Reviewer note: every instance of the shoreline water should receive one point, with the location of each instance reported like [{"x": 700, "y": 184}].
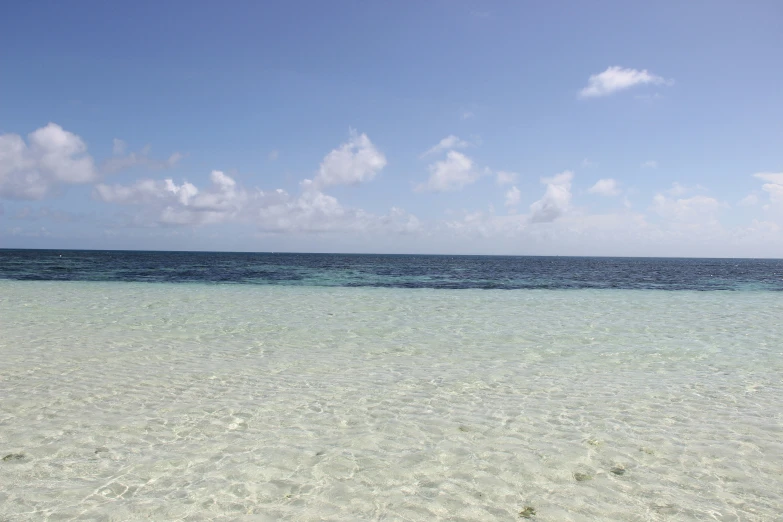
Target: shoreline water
[{"x": 200, "y": 402}]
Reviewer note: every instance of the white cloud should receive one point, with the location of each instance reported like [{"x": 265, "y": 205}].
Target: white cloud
[
  {"x": 696, "y": 208},
  {"x": 556, "y": 199},
  {"x": 691, "y": 227},
  {"x": 774, "y": 187},
  {"x": 170, "y": 204},
  {"x": 316, "y": 212},
  {"x": 512, "y": 197},
  {"x": 772, "y": 177},
  {"x": 448, "y": 143},
  {"x": 354, "y": 162},
  {"x": 143, "y": 191},
  {"x": 166, "y": 203},
  {"x": 605, "y": 187},
  {"x": 506, "y": 178},
  {"x": 775, "y": 192},
  {"x": 453, "y": 173},
  {"x": 616, "y": 78},
  {"x": 52, "y": 157},
  {"x": 466, "y": 115},
  {"x": 311, "y": 211},
  {"x": 651, "y": 164}
]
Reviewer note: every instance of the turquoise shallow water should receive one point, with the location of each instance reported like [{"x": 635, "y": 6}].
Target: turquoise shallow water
[{"x": 133, "y": 401}]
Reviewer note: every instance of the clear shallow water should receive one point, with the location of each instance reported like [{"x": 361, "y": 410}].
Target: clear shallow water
[
  {"x": 394, "y": 271},
  {"x": 130, "y": 401}
]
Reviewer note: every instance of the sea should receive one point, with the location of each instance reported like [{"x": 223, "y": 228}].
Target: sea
[{"x": 198, "y": 386}]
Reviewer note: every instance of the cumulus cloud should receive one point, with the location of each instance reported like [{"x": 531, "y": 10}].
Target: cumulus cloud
[
  {"x": 171, "y": 204},
  {"x": 505, "y": 178},
  {"x": 651, "y": 164},
  {"x": 51, "y": 158},
  {"x": 556, "y": 200},
  {"x": 616, "y": 78},
  {"x": 453, "y": 173},
  {"x": 773, "y": 187},
  {"x": 448, "y": 143},
  {"x": 166, "y": 203},
  {"x": 315, "y": 212},
  {"x": 513, "y": 196},
  {"x": 354, "y": 162},
  {"x": 605, "y": 187}
]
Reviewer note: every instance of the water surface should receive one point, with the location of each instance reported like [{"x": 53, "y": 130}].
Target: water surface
[
  {"x": 394, "y": 271},
  {"x": 138, "y": 401}
]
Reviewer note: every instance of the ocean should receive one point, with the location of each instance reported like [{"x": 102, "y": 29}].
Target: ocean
[{"x": 221, "y": 386}]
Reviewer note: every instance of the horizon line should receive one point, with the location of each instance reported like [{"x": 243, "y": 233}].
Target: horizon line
[{"x": 371, "y": 253}]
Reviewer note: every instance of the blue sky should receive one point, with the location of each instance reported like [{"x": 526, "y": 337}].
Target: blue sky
[{"x": 608, "y": 128}]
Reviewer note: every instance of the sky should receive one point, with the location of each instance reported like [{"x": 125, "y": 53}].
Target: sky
[{"x": 455, "y": 127}]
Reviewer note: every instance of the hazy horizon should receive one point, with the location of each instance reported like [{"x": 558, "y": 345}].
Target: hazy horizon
[{"x": 335, "y": 253}]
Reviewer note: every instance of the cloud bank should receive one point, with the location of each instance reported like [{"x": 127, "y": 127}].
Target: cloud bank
[{"x": 685, "y": 217}]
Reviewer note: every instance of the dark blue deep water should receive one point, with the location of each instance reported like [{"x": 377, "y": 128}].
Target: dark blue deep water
[{"x": 397, "y": 271}]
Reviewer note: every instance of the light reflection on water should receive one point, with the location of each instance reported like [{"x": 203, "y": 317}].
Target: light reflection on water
[{"x": 133, "y": 401}]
